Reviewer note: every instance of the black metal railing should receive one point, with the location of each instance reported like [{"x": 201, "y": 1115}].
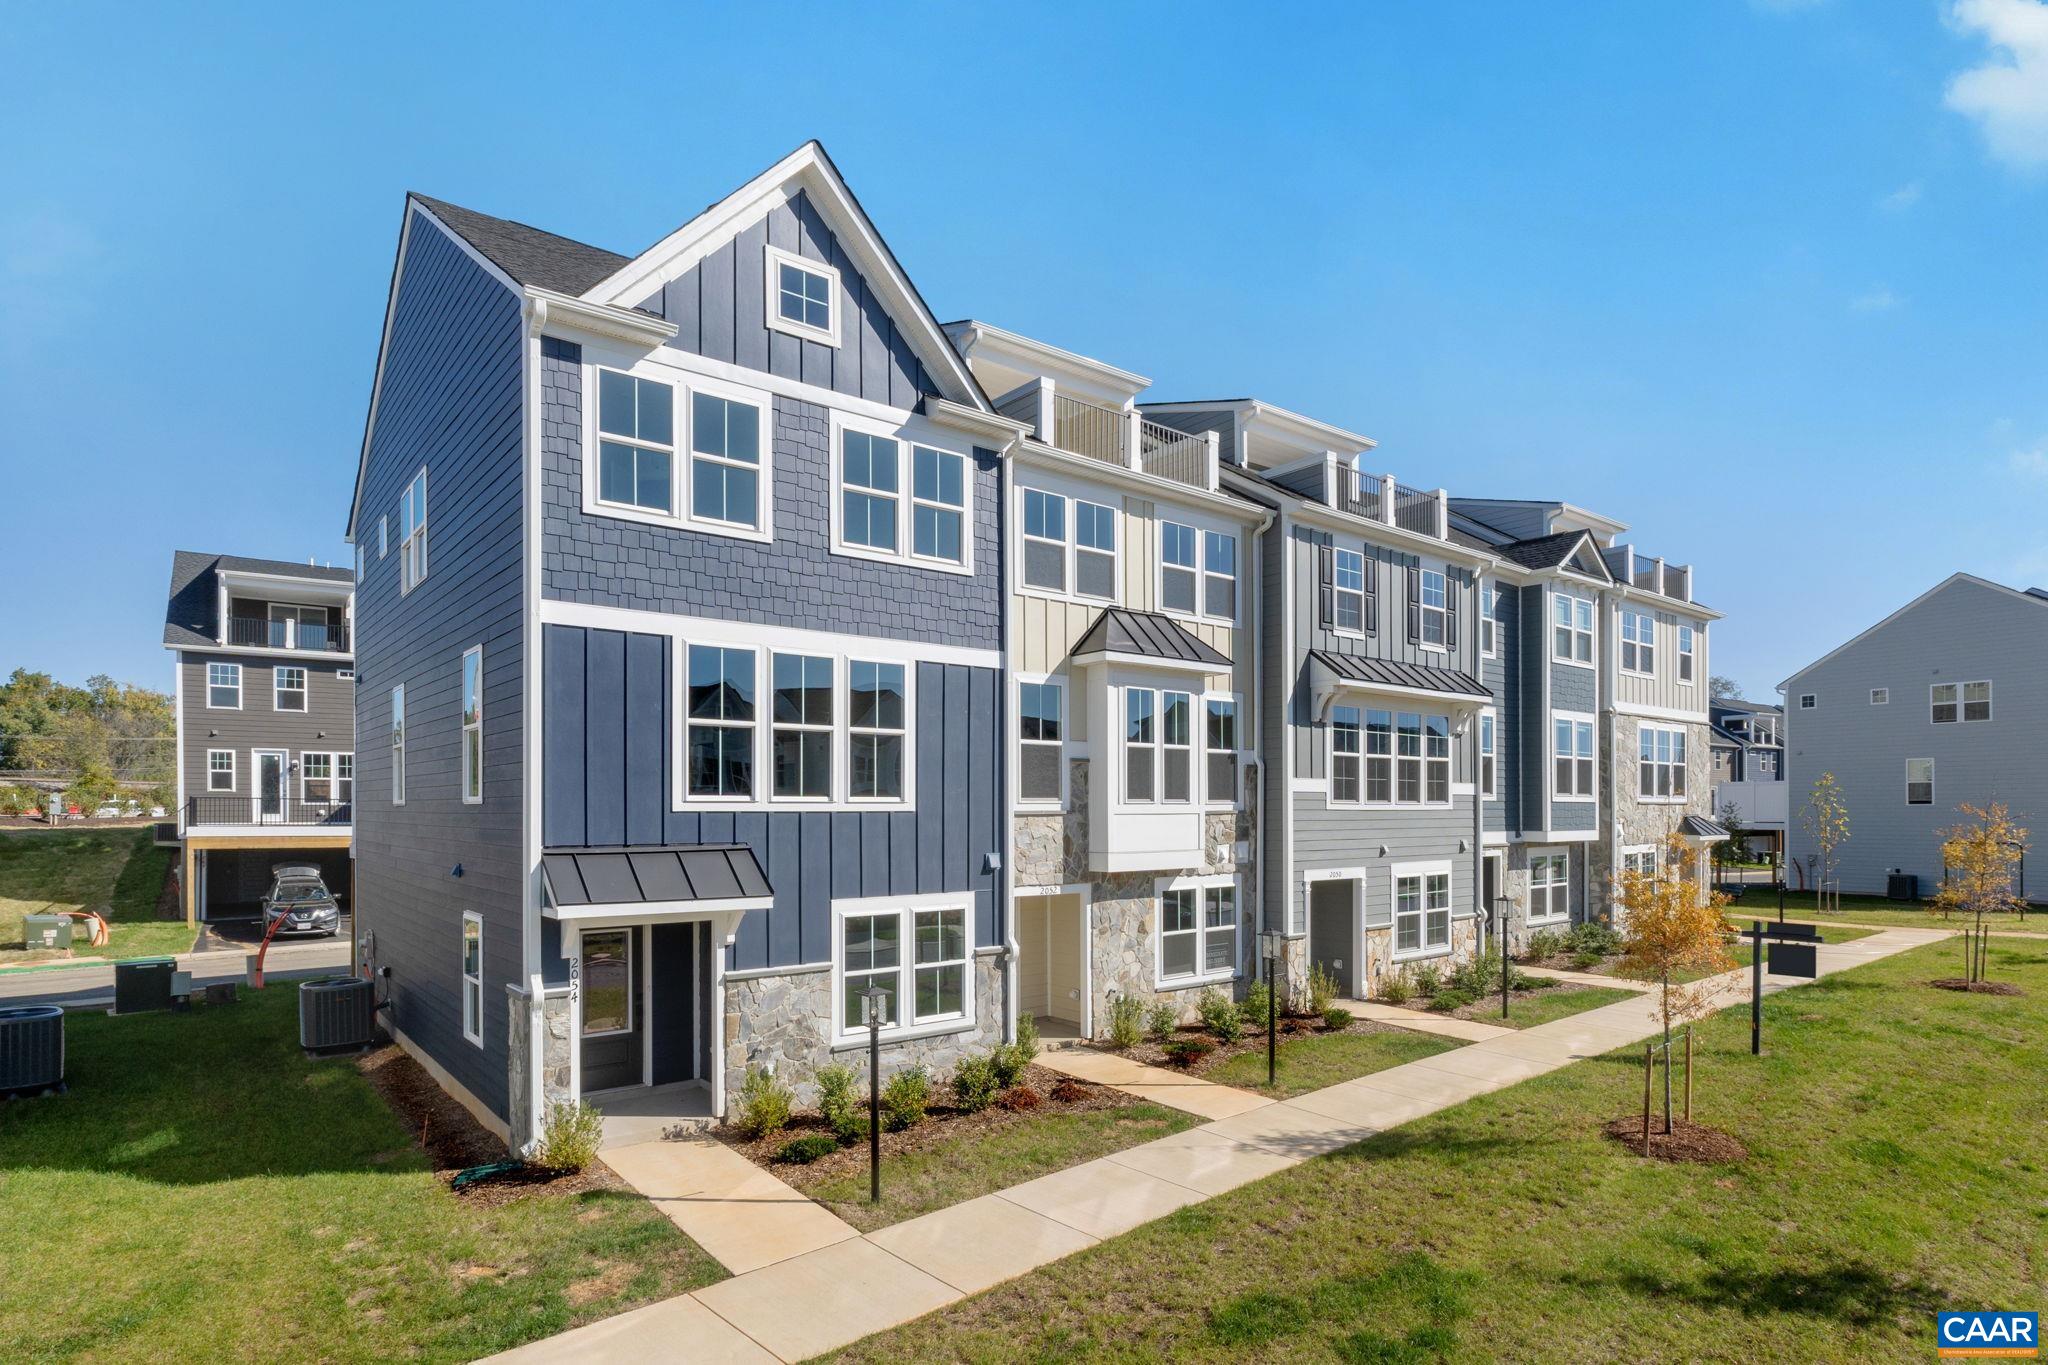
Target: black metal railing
[
  {"x": 255, "y": 633},
  {"x": 221, "y": 809}
]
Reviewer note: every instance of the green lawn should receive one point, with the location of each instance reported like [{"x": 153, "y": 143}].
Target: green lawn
[
  {"x": 205, "y": 1192},
  {"x": 1319, "y": 1060},
  {"x": 1892, "y": 1175},
  {"x": 118, "y": 872},
  {"x": 1526, "y": 1009},
  {"x": 982, "y": 1161},
  {"x": 1877, "y": 910}
]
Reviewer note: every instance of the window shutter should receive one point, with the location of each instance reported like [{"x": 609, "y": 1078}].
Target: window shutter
[
  {"x": 1326, "y": 596},
  {"x": 1413, "y": 573},
  {"x": 1452, "y": 587},
  {"x": 1372, "y": 593}
]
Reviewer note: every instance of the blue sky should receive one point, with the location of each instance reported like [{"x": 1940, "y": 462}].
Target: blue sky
[{"x": 1763, "y": 280}]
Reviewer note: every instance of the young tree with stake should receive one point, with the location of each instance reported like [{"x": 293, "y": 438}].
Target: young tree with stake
[
  {"x": 1981, "y": 854},
  {"x": 1674, "y": 925},
  {"x": 1826, "y": 818}
]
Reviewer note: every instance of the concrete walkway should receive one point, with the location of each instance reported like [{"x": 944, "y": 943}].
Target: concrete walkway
[
  {"x": 1585, "y": 978},
  {"x": 800, "y": 1305},
  {"x": 741, "y": 1215},
  {"x": 1175, "y": 1089},
  {"x": 1423, "y": 1021}
]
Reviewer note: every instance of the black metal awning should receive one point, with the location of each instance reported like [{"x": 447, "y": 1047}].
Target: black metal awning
[
  {"x": 674, "y": 881},
  {"x": 1700, "y": 827},
  {"x": 1146, "y": 637},
  {"x": 1328, "y": 670}
]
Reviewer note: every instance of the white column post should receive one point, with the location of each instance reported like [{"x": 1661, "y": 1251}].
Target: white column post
[
  {"x": 1047, "y": 430},
  {"x": 1387, "y": 499},
  {"x": 1215, "y": 458},
  {"x": 1133, "y": 433},
  {"x": 1443, "y": 515}
]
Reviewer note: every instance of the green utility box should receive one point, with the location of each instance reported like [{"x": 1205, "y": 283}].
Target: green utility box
[{"x": 43, "y": 933}]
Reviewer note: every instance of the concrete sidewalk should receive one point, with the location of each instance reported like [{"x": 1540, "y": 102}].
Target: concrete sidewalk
[
  {"x": 822, "y": 1299},
  {"x": 1585, "y": 978}
]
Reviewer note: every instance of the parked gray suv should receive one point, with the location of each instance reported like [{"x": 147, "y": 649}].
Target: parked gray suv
[{"x": 298, "y": 895}]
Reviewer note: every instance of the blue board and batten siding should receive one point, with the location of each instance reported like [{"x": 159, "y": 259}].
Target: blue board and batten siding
[
  {"x": 448, "y": 399},
  {"x": 607, "y": 750},
  {"x": 720, "y": 310}
]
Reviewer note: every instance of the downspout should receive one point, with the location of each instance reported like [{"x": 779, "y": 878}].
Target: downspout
[{"x": 1005, "y": 876}]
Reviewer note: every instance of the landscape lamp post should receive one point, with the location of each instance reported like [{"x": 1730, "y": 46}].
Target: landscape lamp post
[
  {"x": 1501, "y": 937},
  {"x": 1269, "y": 948},
  {"x": 875, "y": 1007}
]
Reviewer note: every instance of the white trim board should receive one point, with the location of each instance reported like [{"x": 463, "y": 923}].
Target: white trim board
[{"x": 880, "y": 649}]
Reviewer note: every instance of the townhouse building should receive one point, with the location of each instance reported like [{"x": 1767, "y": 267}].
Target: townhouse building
[
  {"x": 265, "y": 706},
  {"x": 684, "y": 671},
  {"x": 1135, "y": 791},
  {"x": 1933, "y": 708},
  {"x": 1750, "y": 791}
]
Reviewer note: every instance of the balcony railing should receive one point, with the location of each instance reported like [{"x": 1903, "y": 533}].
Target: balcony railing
[
  {"x": 1415, "y": 510},
  {"x": 1088, "y": 429},
  {"x": 1376, "y": 497},
  {"x": 274, "y": 809},
  {"x": 1113, "y": 436},
  {"x": 1358, "y": 493},
  {"x": 255, "y": 633},
  {"x": 1168, "y": 454}
]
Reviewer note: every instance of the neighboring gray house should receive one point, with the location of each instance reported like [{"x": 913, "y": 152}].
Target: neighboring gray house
[
  {"x": 265, "y": 699},
  {"x": 681, "y": 645},
  {"x": 1944, "y": 703},
  {"x": 1749, "y": 771}
]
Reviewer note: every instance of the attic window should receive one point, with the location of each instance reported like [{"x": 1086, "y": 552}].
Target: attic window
[{"x": 802, "y": 297}]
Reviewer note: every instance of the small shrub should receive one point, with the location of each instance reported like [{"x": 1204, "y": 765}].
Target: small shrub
[
  {"x": 1219, "y": 1015},
  {"x": 1126, "y": 1021},
  {"x": 1585, "y": 961},
  {"x": 808, "y": 1148},
  {"x": 1187, "y": 1051},
  {"x": 1019, "y": 1098},
  {"x": 904, "y": 1098},
  {"x": 1067, "y": 1090},
  {"x": 1594, "y": 936},
  {"x": 1257, "y": 1004},
  {"x": 569, "y": 1137},
  {"x": 1336, "y": 1018},
  {"x": 1451, "y": 998},
  {"x": 840, "y": 1104},
  {"x": 974, "y": 1082},
  {"x": 1397, "y": 989},
  {"x": 1544, "y": 944},
  {"x": 1012, "y": 1058},
  {"x": 764, "y": 1104},
  {"x": 1161, "y": 1021},
  {"x": 1322, "y": 989},
  {"x": 1428, "y": 980}
]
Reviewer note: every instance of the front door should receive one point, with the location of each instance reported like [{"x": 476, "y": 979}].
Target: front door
[
  {"x": 270, "y": 785},
  {"x": 613, "y": 1011},
  {"x": 1333, "y": 932}
]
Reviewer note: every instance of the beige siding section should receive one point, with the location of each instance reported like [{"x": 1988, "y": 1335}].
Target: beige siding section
[
  {"x": 1141, "y": 563},
  {"x": 1663, "y": 690}
]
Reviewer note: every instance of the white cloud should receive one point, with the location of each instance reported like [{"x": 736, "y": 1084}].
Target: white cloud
[
  {"x": 2007, "y": 92},
  {"x": 2030, "y": 464},
  {"x": 1878, "y": 300},
  {"x": 1902, "y": 198}
]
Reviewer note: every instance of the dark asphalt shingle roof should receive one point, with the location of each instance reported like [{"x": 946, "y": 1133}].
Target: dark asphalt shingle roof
[
  {"x": 543, "y": 260},
  {"x": 192, "y": 611},
  {"x": 637, "y": 876},
  {"x": 1390, "y": 673},
  {"x": 1148, "y": 635},
  {"x": 1542, "y": 552}
]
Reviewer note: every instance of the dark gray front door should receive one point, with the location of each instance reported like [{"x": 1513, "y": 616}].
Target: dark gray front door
[
  {"x": 613, "y": 1014},
  {"x": 1332, "y": 934}
]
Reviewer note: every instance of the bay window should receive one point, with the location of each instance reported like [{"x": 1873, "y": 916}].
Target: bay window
[
  {"x": 1141, "y": 745},
  {"x": 1408, "y": 758},
  {"x": 1177, "y": 754},
  {"x": 1436, "y": 752},
  {"x": 1379, "y": 755}
]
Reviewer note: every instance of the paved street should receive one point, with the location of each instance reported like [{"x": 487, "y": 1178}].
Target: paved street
[{"x": 89, "y": 982}]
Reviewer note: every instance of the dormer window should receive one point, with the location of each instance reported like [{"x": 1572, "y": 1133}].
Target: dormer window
[{"x": 802, "y": 297}]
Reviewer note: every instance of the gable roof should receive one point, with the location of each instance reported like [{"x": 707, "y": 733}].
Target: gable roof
[
  {"x": 1552, "y": 552},
  {"x": 1148, "y": 635},
  {"x": 2030, "y": 596},
  {"x": 192, "y": 607},
  {"x": 537, "y": 259}
]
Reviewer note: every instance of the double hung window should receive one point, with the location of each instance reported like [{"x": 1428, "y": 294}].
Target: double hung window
[
  {"x": 1549, "y": 887},
  {"x": 636, "y": 442},
  {"x": 802, "y": 725},
  {"x": 1040, "y": 728},
  {"x": 1573, "y": 754},
  {"x": 720, "y": 738},
  {"x": 1571, "y": 620},
  {"x": 1422, "y": 913},
  {"x": 1638, "y": 642}
]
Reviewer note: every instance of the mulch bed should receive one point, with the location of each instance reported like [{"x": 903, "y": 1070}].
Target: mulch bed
[
  {"x": 1687, "y": 1141},
  {"x": 1254, "y": 1040},
  {"x": 454, "y": 1141},
  {"x": 1058, "y": 1094},
  {"x": 1956, "y": 983}
]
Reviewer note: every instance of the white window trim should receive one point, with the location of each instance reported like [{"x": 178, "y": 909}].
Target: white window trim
[
  {"x": 383, "y": 535},
  {"x": 1489, "y": 621},
  {"x": 305, "y": 774},
  {"x": 1808, "y": 701},
  {"x": 1932, "y": 774},
  {"x": 1487, "y": 785},
  {"x": 1622, "y": 855},
  {"x": 234, "y": 775},
  {"x": 906, "y": 988},
  {"x": 1199, "y": 885},
  {"x": 907, "y": 436},
  {"x": 1042, "y": 805},
  {"x": 1647, "y": 729},
  {"x": 1961, "y": 702},
  {"x": 682, "y": 410},
  {"x": 680, "y": 798},
  {"x": 1202, "y": 612},
  {"x": 464, "y": 727},
  {"x": 1591, "y": 632},
  {"x": 1577, "y": 717},
  {"x": 1121, "y": 520},
  {"x": 1688, "y": 655},
  {"x": 1393, "y": 801},
  {"x": 1882, "y": 696},
  {"x": 470, "y": 917},
  {"x": 1395, "y": 875},
  {"x": 345, "y": 674},
  {"x": 632, "y": 979},
  {"x": 278, "y": 689},
  {"x": 1529, "y": 893},
  {"x": 1423, "y": 609},
  {"x": 1623, "y": 617},
  {"x": 1337, "y": 552},
  {"x": 1229, "y": 800},
  {"x": 771, "y": 294},
  {"x": 398, "y": 722},
  {"x": 210, "y": 685},
  {"x": 406, "y": 580},
  {"x": 1201, "y": 570}
]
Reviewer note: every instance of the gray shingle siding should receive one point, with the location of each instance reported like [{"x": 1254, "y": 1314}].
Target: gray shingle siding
[
  {"x": 1505, "y": 682},
  {"x": 608, "y": 754},
  {"x": 1968, "y": 631},
  {"x": 720, "y": 310},
  {"x": 1573, "y": 688},
  {"x": 450, "y": 400},
  {"x": 1531, "y": 660},
  {"x": 794, "y": 581}
]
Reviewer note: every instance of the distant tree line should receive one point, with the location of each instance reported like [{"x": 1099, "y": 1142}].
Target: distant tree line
[{"x": 92, "y": 741}]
